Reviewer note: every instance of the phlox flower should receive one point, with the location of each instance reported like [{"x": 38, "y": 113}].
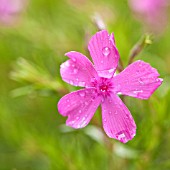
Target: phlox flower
[
  {"x": 151, "y": 12},
  {"x": 9, "y": 9},
  {"x": 102, "y": 87}
]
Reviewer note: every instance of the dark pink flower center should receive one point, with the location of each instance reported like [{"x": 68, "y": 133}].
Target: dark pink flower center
[{"x": 103, "y": 86}]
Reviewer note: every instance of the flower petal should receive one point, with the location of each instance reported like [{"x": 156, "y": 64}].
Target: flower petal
[
  {"x": 138, "y": 80},
  {"x": 117, "y": 120},
  {"x": 79, "y": 106},
  {"x": 104, "y": 53},
  {"x": 78, "y": 70}
]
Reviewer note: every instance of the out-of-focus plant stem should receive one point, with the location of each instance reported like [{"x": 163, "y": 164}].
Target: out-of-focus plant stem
[
  {"x": 139, "y": 46},
  {"x": 38, "y": 78}
]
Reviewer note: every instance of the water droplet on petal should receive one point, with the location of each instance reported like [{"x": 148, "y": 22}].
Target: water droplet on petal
[
  {"x": 111, "y": 70},
  {"x": 120, "y": 136},
  {"x": 77, "y": 117},
  {"x": 106, "y": 51},
  {"x": 124, "y": 136},
  {"x": 127, "y": 116},
  {"x": 80, "y": 111},
  {"x": 92, "y": 99},
  {"x": 72, "y": 122},
  {"x": 82, "y": 93},
  {"x": 71, "y": 82},
  {"x": 82, "y": 83},
  {"x": 101, "y": 61},
  {"x": 141, "y": 81},
  {"x": 102, "y": 100},
  {"x": 104, "y": 120},
  {"x": 115, "y": 112},
  {"x": 93, "y": 79},
  {"x": 67, "y": 63},
  {"x": 86, "y": 103},
  {"x": 68, "y": 100},
  {"x": 75, "y": 71},
  {"x": 137, "y": 91},
  {"x": 73, "y": 59}
]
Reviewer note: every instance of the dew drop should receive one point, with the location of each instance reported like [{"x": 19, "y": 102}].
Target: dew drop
[
  {"x": 73, "y": 65},
  {"x": 92, "y": 99},
  {"x": 71, "y": 82},
  {"x": 77, "y": 117},
  {"x": 120, "y": 136},
  {"x": 75, "y": 71},
  {"x": 67, "y": 64},
  {"x": 68, "y": 100},
  {"x": 80, "y": 111},
  {"x": 93, "y": 79},
  {"x": 141, "y": 81},
  {"x": 62, "y": 65},
  {"x": 86, "y": 103},
  {"x": 73, "y": 59},
  {"x": 104, "y": 120},
  {"x": 115, "y": 112},
  {"x": 111, "y": 70},
  {"x": 82, "y": 93},
  {"x": 102, "y": 100},
  {"x": 72, "y": 122},
  {"x": 124, "y": 136},
  {"x": 137, "y": 91},
  {"x": 127, "y": 116},
  {"x": 82, "y": 83},
  {"x": 106, "y": 51}
]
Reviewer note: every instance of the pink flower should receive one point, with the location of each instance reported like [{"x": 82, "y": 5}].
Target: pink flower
[
  {"x": 102, "y": 86},
  {"x": 152, "y": 12},
  {"x": 9, "y": 10}
]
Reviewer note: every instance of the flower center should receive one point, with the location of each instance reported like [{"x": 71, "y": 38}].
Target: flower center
[{"x": 103, "y": 88}]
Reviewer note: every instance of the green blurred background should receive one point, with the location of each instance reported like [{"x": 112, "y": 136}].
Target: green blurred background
[{"x": 33, "y": 135}]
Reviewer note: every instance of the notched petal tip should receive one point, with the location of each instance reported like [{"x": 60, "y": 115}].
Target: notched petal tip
[
  {"x": 78, "y": 70},
  {"x": 70, "y": 53},
  {"x": 138, "y": 80},
  {"x": 118, "y": 122},
  {"x": 104, "y": 53},
  {"x": 79, "y": 106},
  {"x": 123, "y": 136}
]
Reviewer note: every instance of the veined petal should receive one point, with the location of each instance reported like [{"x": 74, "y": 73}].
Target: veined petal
[
  {"x": 79, "y": 106},
  {"x": 138, "y": 80},
  {"x": 78, "y": 70},
  {"x": 104, "y": 53},
  {"x": 117, "y": 120}
]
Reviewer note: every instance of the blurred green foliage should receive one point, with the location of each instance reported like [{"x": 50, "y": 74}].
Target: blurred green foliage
[{"x": 32, "y": 133}]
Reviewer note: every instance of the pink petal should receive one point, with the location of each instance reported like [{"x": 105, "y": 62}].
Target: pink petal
[
  {"x": 117, "y": 120},
  {"x": 104, "y": 53},
  {"x": 78, "y": 70},
  {"x": 79, "y": 106},
  {"x": 138, "y": 80}
]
